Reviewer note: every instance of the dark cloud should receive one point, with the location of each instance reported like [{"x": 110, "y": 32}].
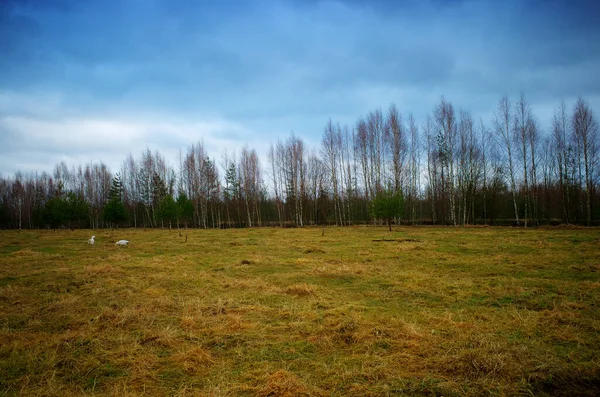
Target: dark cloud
[{"x": 292, "y": 65}]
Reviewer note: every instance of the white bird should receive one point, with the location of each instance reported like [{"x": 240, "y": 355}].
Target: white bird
[
  {"x": 91, "y": 241},
  {"x": 122, "y": 242}
]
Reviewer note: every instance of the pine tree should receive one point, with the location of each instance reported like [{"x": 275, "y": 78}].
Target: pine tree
[
  {"x": 114, "y": 210},
  {"x": 185, "y": 209},
  {"x": 388, "y": 205},
  {"x": 116, "y": 188},
  {"x": 232, "y": 191},
  {"x": 76, "y": 208},
  {"x": 167, "y": 210},
  {"x": 55, "y": 212}
]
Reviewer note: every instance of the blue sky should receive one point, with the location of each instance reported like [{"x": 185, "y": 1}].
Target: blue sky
[{"x": 90, "y": 81}]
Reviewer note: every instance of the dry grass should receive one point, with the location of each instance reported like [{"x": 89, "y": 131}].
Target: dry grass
[{"x": 290, "y": 312}]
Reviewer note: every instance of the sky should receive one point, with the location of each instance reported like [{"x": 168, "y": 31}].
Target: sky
[{"x": 90, "y": 81}]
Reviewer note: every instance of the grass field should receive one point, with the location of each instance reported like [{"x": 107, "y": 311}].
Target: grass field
[{"x": 291, "y": 312}]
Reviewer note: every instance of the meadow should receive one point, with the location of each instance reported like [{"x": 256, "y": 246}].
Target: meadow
[{"x": 356, "y": 311}]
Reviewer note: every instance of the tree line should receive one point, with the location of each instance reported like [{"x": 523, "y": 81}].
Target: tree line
[{"x": 448, "y": 170}]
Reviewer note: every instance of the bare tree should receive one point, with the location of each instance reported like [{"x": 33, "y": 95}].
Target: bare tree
[
  {"x": 202, "y": 180},
  {"x": 295, "y": 177},
  {"x": 395, "y": 135},
  {"x": 276, "y": 156},
  {"x": 503, "y": 125},
  {"x": 131, "y": 185},
  {"x": 316, "y": 181},
  {"x": 251, "y": 184},
  {"x": 563, "y": 156},
  {"x": 522, "y": 125},
  {"x": 362, "y": 149},
  {"x": 548, "y": 168},
  {"x": 348, "y": 172},
  {"x": 377, "y": 149},
  {"x": 432, "y": 166},
  {"x": 484, "y": 134},
  {"x": 534, "y": 142},
  {"x": 585, "y": 131},
  {"x": 97, "y": 186},
  {"x": 18, "y": 199},
  {"x": 330, "y": 151},
  {"x": 469, "y": 167},
  {"x": 415, "y": 159},
  {"x": 445, "y": 122}
]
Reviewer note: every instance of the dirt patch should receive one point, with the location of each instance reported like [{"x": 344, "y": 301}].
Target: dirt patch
[
  {"x": 397, "y": 240},
  {"x": 314, "y": 251}
]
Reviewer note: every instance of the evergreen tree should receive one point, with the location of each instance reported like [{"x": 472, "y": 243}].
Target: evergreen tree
[
  {"x": 388, "y": 205},
  {"x": 231, "y": 183},
  {"x": 159, "y": 189},
  {"x": 185, "y": 209},
  {"x": 114, "y": 210},
  {"x": 167, "y": 210},
  {"x": 116, "y": 188},
  {"x": 231, "y": 192},
  {"x": 39, "y": 206},
  {"x": 55, "y": 212},
  {"x": 4, "y": 215},
  {"x": 76, "y": 208}
]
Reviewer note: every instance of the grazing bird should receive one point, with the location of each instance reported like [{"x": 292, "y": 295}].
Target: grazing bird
[
  {"x": 91, "y": 241},
  {"x": 122, "y": 242}
]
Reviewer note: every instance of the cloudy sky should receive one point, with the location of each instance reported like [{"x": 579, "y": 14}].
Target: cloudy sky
[{"x": 91, "y": 81}]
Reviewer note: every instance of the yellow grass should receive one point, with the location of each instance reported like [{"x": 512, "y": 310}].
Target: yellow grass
[{"x": 291, "y": 312}]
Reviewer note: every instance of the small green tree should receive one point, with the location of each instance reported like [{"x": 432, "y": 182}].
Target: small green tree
[
  {"x": 55, "y": 212},
  {"x": 116, "y": 188},
  {"x": 388, "y": 205},
  {"x": 185, "y": 209},
  {"x": 76, "y": 207},
  {"x": 114, "y": 210},
  {"x": 4, "y": 214},
  {"x": 231, "y": 192},
  {"x": 167, "y": 210},
  {"x": 159, "y": 189}
]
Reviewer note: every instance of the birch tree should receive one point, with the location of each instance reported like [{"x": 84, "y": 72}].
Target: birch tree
[
  {"x": 563, "y": 154},
  {"x": 446, "y": 128},
  {"x": 415, "y": 172},
  {"x": 585, "y": 131},
  {"x": 503, "y": 126},
  {"x": 331, "y": 153},
  {"x": 522, "y": 124}
]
